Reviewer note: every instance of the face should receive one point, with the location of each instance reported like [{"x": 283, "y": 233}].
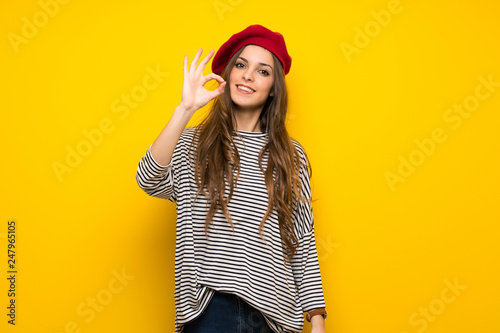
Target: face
[{"x": 254, "y": 70}]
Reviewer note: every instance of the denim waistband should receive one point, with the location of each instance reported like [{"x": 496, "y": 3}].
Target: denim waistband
[{"x": 228, "y": 313}]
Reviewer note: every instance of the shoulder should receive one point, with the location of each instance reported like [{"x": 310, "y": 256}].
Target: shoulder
[
  {"x": 298, "y": 146},
  {"x": 301, "y": 151}
]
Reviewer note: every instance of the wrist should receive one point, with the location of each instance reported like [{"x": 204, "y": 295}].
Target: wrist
[
  {"x": 183, "y": 114},
  {"x": 185, "y": 110},
  {"x": 321, "y": 312}
]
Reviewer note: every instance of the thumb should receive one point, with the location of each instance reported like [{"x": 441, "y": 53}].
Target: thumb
[
  {"x": 219, "y": 90},
  {"x": 221, "y": 87}
]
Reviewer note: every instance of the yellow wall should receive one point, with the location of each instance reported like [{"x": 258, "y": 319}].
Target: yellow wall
[{"x": 390, "y": 99}]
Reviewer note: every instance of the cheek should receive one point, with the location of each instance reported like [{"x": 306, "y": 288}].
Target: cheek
[
  {"x": 268, "y": 85},
  {"x": 232, "y": 75}
]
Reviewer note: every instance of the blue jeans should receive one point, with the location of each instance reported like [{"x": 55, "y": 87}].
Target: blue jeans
[{"x": 228, "y": 313}]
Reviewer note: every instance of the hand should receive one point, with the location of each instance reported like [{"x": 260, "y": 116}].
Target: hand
[{"x": 194, "y": 94}]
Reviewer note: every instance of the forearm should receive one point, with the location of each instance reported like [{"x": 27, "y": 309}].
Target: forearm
[
  {"x": 317, "y": 324},
  {"x": 163, "y": 147}
]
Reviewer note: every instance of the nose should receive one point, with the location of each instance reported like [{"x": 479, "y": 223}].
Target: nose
[{"x": 247, "y": 75}]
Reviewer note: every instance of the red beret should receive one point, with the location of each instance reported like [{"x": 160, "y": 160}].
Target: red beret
[{"x": 254, "y": 34}]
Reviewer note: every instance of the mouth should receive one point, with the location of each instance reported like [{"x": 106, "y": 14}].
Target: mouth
[{"x": 244, "y": 89}]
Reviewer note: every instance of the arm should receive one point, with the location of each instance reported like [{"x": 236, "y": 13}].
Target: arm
[
  {"x": 305, "y": 263},
  {"x": 160, "y": 180},
  {"x": 154, "y": 172},
  {"x": 308, "y": 279},
  {"x": 163, "y": 147},
  {"x": 194, "y": 96},
  {"x": 318, "y": 324}
]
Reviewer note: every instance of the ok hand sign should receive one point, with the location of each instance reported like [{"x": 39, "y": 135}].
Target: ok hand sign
[{"x": 194, "y": 94}]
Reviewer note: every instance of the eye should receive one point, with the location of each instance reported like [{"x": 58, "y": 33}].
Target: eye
[
  {"x": 239, "y": 63},
  {"x": 266, "y": 73}
]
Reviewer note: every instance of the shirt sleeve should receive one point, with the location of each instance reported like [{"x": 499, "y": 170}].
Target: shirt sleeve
[
  {"x": 155, "y": 179},
  {"x": 305, "y": 265}
]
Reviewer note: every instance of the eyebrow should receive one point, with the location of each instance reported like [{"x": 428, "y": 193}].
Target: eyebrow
[{"x": 260, "y": 63}]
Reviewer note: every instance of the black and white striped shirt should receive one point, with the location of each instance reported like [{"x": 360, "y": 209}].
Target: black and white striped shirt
[{"x": 238, "y": 262}]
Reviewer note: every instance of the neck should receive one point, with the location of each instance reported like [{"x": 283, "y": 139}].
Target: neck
[{"x": 247, "y": 120}]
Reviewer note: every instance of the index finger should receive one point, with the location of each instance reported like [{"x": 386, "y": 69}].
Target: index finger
[
  {"x": 210, "y": 77},
  {"x": 204, "y": 62}
]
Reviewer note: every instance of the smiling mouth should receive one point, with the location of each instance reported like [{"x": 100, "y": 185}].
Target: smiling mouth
[{"x": 245, "y": 89}]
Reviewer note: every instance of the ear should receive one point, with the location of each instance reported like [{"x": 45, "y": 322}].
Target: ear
[{"x": 271, "y": 93}]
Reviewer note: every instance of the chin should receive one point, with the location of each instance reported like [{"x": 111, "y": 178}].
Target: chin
[{"x": 246, "y": 104}]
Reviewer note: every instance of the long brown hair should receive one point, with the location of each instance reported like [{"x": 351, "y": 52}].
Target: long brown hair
[{"x": 217, "y": 157}]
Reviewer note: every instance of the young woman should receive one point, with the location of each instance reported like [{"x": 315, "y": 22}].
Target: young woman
[{"x": 246, "y": 257}]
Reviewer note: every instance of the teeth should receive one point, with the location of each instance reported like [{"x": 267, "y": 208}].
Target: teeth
[{"x": 245, "y": 89}]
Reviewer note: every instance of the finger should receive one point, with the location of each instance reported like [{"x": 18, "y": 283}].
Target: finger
[
  {"x": 195, "y": 60},
  {"x": 221, "y": 87},
  {"x": 218, "y": 77},
  {"x": 214, "y": 93},
  {"x": 204, "y": 62},
  {"x": 185, "y": 67},
  {"x": 210, "y": 77},
  {"x": 218, "y": 91}
]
